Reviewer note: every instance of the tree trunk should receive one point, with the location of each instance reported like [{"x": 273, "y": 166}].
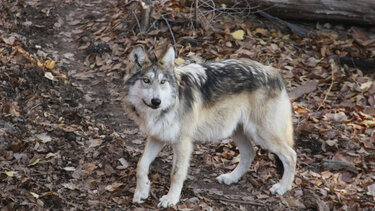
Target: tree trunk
[{"x": 346, "y": 11}]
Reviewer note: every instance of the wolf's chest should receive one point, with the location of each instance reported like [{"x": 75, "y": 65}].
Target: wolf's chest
[{"x": 165, "y": 128}]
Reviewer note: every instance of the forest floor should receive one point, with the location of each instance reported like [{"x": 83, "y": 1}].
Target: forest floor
[{"x": 66, "y": 144}]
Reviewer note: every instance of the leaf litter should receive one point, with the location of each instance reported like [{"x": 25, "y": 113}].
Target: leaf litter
[{"x": 66, "y": 144}]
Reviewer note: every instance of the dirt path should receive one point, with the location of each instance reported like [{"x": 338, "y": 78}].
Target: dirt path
[
  {"x": 65, "y": 143},
  {"x": 101, "y": 95}
]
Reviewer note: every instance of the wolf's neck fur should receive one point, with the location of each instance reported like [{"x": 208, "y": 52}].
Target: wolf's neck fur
[{"x": 160, "y": 124}]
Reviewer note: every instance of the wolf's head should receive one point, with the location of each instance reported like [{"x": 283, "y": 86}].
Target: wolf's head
[{"x": 151, "y": 84}]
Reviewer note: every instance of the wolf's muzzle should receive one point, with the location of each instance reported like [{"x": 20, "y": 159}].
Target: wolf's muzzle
[{"x": 155, "y": 103}]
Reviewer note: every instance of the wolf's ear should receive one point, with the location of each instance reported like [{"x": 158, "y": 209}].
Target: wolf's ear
[
  {"x": 138, "y": 57},
  {"x": 167, "y": 60}
]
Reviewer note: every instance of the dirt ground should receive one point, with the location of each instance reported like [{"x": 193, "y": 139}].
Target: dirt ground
[{"x": 66, "y": 144}]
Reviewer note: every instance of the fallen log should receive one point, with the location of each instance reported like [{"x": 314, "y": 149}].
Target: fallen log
[
  {"x": 358, "y": 12},
  {"x": 344, "y": 11}
]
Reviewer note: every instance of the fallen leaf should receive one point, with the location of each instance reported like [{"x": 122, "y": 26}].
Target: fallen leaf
[
  {"x": 77, "y": 31},
  {"x": 301, "y": 110},
  {"x": 99, "y": 60},
  {"x": 43, "y": 137},
  {"x": 369, "y": 123},
  {"x": 113, "y": 186},
  {"x": 228, "y": 44},
  {"x": 75, "y": 22},
  {"x": 10, "y": 173},
  {"x": 13, "y": 110},
  {"x": 366, "y": 86},
  {"x": 337, "y": 117},
  {"x": 49, "y": 64},
  {"x": 312, "y": 62},
  {"x": 295, "y": 203},
  {"x": 123, "y": 162},
  {"x": 90, "y": 167},
  {"x": 84, "y": 46},
  {"x": 49, "y": 76},
  {"x": 238, "y": 35},
  {"x": 311, "y": 200},
  {"x": 359, "y": 35},
  {"x": 137, "y": 141},
  {"x": 34, "y": 163},
  {"x": 305, "y": 88},
  {"x": 274, "y": 47},
  {"x": 69, "y": 56},
  {"x": 69, "y": 168},
  {"x": 70, "y": 186},
  {"x": 34, "y": 195},
  {"x": 261, "y": 31},
  {"x": 371, "y": 190},
  {"x": 50, "y": 154},
  {"x": 246, "y": 53},
  {"x": 332, "y": 142},
  {"x": 95, "y": 142}
]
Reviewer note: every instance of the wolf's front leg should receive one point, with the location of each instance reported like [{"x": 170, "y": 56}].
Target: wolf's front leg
[
  {"x": 181, "y": 158},
  {"x": 142, "y": 190}
]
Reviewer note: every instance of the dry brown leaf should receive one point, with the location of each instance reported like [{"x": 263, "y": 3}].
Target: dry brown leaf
[
  {"x": 337, "y": 117},
  {"x": 113, "y": 186},
  {"x": 305, "y": 88}
]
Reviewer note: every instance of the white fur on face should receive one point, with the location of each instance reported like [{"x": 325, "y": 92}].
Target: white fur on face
[{"x": 142, "y": 92}]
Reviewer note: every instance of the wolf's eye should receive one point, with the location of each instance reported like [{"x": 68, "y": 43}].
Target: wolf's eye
[
  {"x": 146, "y": 80},
  {"x": 162, "y": 81}
]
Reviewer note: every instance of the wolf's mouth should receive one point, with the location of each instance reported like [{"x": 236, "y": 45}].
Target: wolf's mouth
[{"x": 151, "y": 106}]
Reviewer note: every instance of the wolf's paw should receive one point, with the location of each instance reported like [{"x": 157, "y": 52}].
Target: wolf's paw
[
  {"x": 139, "y": 196},
  {"x": 279, "y": 189},
  {"x": 168, "y": 200},
  {"x": 227, "y": 179},
  {"x": 141, "y": 193}
]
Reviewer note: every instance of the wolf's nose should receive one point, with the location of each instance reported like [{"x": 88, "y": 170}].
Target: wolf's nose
[{"x": 155, "y": 101}]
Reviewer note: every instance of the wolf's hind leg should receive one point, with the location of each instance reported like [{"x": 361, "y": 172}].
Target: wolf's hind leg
[
  {"x": 280, "y": 144},
  {"x": 288, "y": 157},
  {"x": 142, "y": 190},
  {"x": 247, "y": 154}
]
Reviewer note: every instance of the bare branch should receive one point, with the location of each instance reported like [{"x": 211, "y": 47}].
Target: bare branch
[
  {"x": 170, "y": 30},
  {"x": 136, "y": 18},
  {"x": 145, "y": 15}
]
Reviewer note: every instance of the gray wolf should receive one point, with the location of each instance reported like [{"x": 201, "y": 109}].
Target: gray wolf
[{"x": 181, "y": 105}]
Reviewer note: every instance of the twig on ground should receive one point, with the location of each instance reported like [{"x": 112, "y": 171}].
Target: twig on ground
[
  {"x": 170, "y": 30},
  {"x": 152, "y": 26},
  {"x": 136, "y": 18},
  {"x": 333, "y": 68}
]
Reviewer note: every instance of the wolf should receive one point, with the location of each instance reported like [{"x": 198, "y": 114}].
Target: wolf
[{"x": 180, "y": 105}]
